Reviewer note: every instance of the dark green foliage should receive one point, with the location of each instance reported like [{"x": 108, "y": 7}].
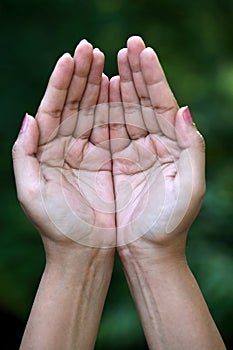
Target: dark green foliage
[{"x": 194, "y": 40}]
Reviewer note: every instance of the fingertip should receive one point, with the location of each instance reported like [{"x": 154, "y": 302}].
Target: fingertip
[
  {"x": 98, "y": 51},
  {"x": 31, "y": 135},
  {"x": 98, "y": 55},
  {"x": 149, "y": 63},
  {"x": 115, "y": 79},
  {"x": 148, "y": 53},
  {"x": 84, "y": 42},
  {"x": 25, "y": 163},
  {"x": 114, "y": 91},
  {"x": 105, "y": 78},
  {"x": 180, "y": 124},
  {"x": 115, "y": 82},
  {"x": 103, "y": 96},
  {"x": 185, "y": 115},
  {"x": 63, "y": 71},
  {"x": 122, "y": 53},
  {"x": 186, "y": 130},
  {"x": 105, "y": 82},
  {"x": 83, "y": 45},
  {"x": 24, "y": 123},
  {"x": 65, "y": 59},
  {"x": 135, "y": 46},
  {"x": 66, "y": 55},
  {"x": 27, "y": 136},
  {"x": 124, "y": 66},
  {"x": 135, "y": 39}
]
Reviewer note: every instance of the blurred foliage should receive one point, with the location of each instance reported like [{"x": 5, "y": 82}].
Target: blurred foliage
[{"x": 194, "y": 40}]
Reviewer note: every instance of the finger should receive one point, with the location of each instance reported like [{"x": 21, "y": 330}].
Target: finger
[
  {"x": 192, "y": 148},
  {"x": 49, "y": 113},
  {"x": 135, "y": 46},
  {"x": 119, "y": 138},
  {"x": 82, "y": 60},
  {"x": 90, "y": 97},
  {"x": 161, "y": 96},
  {"x": 100, "y": 131},
  {"x": 132, "y": 109},
  {"x": 26, "y": 166}
]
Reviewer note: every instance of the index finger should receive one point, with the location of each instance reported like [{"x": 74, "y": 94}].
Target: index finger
[{"x": 50, "y": 109}]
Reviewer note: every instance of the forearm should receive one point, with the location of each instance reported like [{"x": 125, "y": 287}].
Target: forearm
[
  {"x": 172, "y": 309},
  {"x": 69, "y": 302}
]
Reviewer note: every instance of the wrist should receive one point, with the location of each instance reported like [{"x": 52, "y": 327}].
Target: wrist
[
  {"x": 70, "y": 254},
  {"x": 154, "y": 253},
  {"x": 76, "y": 265},
  {"x": 80, "y": 269}
]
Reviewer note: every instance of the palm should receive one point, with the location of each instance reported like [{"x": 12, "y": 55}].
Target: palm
[
  {"x": 78, "y": 184},
  {"x": 149, "y": 189}
]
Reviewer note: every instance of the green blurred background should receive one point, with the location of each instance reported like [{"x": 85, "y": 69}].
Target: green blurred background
[{"x": 194, "y": 40}]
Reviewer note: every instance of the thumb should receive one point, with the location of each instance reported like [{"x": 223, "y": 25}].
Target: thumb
[
  {"x": 191, "y": 172},
  {"x": 186, "y": 131},
  {"x": 192, "y": 145},
  {"x": 25, "y": 163}
]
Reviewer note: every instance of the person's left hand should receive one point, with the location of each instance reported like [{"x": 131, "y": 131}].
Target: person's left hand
[{"x": 158, "y": 155}]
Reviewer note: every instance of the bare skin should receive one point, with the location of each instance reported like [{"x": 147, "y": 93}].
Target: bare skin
[{"x": 113, "y": 165}]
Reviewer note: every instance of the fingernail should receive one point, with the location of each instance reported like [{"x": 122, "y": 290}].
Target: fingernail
[
  {"x": 24, "y": 124},
  {"x": 187, "y": 116}
]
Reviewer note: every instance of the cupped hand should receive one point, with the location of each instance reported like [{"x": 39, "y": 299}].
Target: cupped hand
[
  {"x": 62, "y": 158},
  {"x": 157, "y": 152}
]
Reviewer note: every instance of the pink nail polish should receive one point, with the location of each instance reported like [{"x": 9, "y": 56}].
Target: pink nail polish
[
  {"x": 187, "y": 116},
  {"x": 24, "y": 124}
]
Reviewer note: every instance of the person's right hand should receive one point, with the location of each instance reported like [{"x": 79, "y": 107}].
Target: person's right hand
[{"x": 62, "y": 159}]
